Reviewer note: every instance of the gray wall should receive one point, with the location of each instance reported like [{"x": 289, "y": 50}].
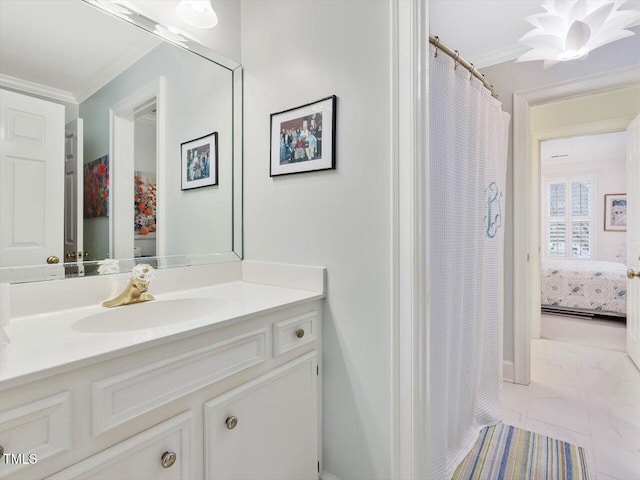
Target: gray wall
[
  {"x": 295, "y": 53},
  {"x": 510, "y": 77}
]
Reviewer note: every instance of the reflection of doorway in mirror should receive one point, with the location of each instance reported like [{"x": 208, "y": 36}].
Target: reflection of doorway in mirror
[
  {"x": 145, "y": 185},
  {"x": 74, "y": 252},
  {"x": 136, "y": 131}
]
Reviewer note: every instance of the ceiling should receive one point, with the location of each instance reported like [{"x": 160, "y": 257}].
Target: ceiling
[
  {"x": 486, "y": 32},
  {"x": 604, "y": 146},
  {"x": 65, "y": 48}
]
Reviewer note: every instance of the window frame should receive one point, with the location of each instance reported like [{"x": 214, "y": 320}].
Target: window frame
[{"x": 568, "y": 217}]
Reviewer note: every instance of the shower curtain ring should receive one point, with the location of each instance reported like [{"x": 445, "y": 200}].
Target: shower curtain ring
[
  {"x": 457, "y": 60},
  {"x": 471, "y": 72},
  {"x": 437, "y": 43}
]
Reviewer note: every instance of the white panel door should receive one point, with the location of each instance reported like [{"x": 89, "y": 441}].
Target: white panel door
[
  {"x": 73, "y": 191},
  {"x": 633, "y": 240},
  {"x": 275, "y": 433},
  {"x": 31, "y": 179}
]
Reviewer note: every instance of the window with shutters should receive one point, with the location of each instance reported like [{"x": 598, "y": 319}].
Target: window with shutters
[{"x": 569, "y": 225}]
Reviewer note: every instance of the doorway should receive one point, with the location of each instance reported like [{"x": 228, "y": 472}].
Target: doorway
[
  {"x": 137, "y": 132},
  {"x": 528, "y": 135},
  {"x": 583, "y": 275}
]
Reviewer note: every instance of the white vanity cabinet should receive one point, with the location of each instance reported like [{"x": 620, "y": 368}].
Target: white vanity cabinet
[
  {"x": 160, "y": 453},
  {"x": 266, "y": 428},
  {"x": 233, "y": 401}
]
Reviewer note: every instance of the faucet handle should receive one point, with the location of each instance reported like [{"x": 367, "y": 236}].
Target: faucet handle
[{"x": 143, "y": 272}]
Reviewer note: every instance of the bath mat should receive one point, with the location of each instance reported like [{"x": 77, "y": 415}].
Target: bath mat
[{"x": 503, "y": 452}]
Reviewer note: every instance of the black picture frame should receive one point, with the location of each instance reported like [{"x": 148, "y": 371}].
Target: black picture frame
[
  {"x": 199, "y": 162},
  {"x": 292, "y": 153}
]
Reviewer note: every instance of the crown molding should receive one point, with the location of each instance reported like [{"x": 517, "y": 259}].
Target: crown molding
[
  {"x": 108, "y": 74},
  {"x": 34, "y": 88},
  {"x": 499, "y": 55}
]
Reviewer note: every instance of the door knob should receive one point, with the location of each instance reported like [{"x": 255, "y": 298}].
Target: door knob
[
  {"x": 631, "y": 274},
  {"x": 52, "y": 260},
  {"x": 70, "y": 256}
]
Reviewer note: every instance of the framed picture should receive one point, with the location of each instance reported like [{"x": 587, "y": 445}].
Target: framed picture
[
  {"x": 199, "y": 162},
  {"x": 303, "y": 138},
  {"x": 615, "y": 212},
  {"x": 96, "y": 188},
  {"x": 144, "y": 202}
]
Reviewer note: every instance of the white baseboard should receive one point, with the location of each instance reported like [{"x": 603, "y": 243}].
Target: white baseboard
[
  {"x": 508, "y": 371},
  {"x": 327, "y": 476}
]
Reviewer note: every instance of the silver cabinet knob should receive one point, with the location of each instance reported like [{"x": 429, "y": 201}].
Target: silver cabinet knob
[
  {"x": 300, "y": 333},
  {"x": 231, "y": 422},
  {"x": 168, "y": 459}
]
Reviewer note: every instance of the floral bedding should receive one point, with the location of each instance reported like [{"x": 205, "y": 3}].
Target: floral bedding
[{"x": 585, "y": 285}]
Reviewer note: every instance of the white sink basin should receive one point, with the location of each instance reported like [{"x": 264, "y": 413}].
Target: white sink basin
[{"x": 151, "y": 314}]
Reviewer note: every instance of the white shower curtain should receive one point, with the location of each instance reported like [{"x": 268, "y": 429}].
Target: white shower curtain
[{"x": 467, "y": 160}]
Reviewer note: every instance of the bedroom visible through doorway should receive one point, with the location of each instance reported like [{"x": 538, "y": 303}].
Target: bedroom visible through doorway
[{"x": 583, "y": 239}]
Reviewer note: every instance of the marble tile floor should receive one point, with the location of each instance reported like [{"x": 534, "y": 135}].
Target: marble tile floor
[
  {"x": 585, "y": 395},
  {"x": 595, "y": 332}
]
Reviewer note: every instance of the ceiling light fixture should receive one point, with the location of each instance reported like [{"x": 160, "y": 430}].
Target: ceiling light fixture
[
  {"x": 570, "y": 29},
  {"x": 197, "y": 13}
]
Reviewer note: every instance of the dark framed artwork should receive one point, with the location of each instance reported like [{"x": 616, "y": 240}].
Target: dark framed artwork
[
  {"x": 96, "y": 188},
  {"x": 615, "y": 212},
  {"x": 199, "y": 162},
  {"x": 303, "y": 138}
]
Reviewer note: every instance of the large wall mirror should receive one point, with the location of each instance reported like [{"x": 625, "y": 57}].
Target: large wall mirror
[{"x": 121, "y": 143}]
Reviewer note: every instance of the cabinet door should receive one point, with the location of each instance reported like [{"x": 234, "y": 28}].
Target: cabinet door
[
  {"x": 266, "y": 429},
  {"x": 160, "y": 453}
]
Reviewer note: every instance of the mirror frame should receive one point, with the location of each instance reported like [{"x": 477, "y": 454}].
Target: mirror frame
[{"x": 237, "y": 223}]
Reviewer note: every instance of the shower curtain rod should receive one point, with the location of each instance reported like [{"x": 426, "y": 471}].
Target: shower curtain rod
[{"x": 435, "y": 41}]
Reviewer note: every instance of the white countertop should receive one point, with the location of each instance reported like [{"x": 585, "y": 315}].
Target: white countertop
[{"x": 47, "y": 344}]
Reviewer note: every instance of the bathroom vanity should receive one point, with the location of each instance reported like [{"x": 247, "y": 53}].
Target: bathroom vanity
[{"x": 216, "y": 381}]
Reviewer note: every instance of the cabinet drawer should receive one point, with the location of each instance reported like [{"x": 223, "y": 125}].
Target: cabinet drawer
[
  {"x": 121, "y": 398},
  {"x": 141, "y": 456},
  {"x": 35, "y": 431},
  {"x": 294, "y": 332}
]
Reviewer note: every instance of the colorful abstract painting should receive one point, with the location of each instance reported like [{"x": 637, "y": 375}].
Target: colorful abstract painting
[
  {"x": 144, "y": 201},
  {"x": 96, "y": 188}
]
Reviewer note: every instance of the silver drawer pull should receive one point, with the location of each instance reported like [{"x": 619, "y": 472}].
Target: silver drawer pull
[
  {"x": 231, "y": 422},
  {"x": 168, "y": 459},
  {"x": 300, "y": 333}
]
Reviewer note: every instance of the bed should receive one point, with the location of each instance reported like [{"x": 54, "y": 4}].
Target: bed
[{"x": 584, "y": 288}]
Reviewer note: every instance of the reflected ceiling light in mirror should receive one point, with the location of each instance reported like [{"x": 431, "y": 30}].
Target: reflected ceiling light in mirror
[
  {"x": 173, "y": 34},
  {"x": 570, "y": 29},
  {"x": 197, "y": 13},
  {"x": 117, "y": 7}
]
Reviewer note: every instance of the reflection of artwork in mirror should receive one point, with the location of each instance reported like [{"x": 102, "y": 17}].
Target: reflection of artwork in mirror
[
  {"x": 615, "y": 212},
  {"x": 200, "y": 162},
  {"x": 302, "y": 138},
  {"x": 96, "y": 188},
  {"x": 145, "y": 204}
]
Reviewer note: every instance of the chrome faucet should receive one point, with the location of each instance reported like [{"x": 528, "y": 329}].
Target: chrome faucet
[{"x": 136, "y": 289}]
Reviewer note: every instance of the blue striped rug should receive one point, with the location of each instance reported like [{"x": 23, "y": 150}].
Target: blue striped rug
[{"x": 503, "y": 452}]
